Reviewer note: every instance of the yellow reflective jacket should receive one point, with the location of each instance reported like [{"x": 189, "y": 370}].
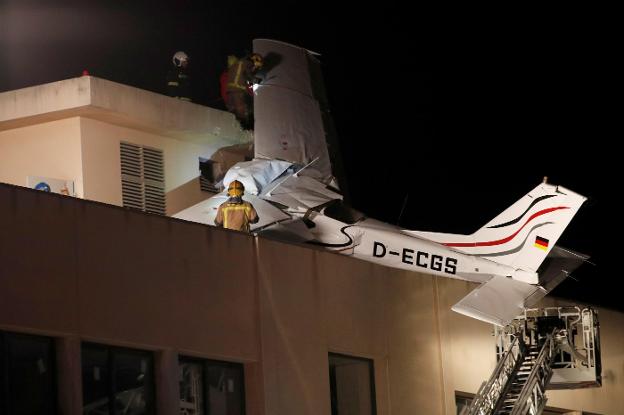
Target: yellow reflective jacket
[
  {"x": 236, "y": 216},
  {"x": 240, "y": 75}
]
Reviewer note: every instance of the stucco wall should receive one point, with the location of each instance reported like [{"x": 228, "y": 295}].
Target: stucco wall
[
  {"x": 86, "y": 151},
  {"x": 101, "y": 160},
  {"x": 80, "y": 270},
  {"x": 71, "y": 130},
  {"x": 110, "y": 273},
  {"x": 50, "y": 149}
]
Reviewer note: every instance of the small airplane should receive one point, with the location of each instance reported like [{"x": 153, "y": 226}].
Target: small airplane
[{"x": 291, "y": 183}]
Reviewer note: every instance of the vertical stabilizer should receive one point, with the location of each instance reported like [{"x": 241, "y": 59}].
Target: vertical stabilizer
[{"x": 523, "y": 234}]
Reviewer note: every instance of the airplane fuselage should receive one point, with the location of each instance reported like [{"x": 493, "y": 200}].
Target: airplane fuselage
[{"x": 388, "y": 247}]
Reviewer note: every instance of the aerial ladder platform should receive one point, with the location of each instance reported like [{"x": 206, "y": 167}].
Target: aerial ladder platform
[{"x": 548, "y": 348}]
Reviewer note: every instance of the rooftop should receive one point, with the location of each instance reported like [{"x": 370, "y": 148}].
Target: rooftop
[{"x": 108, "y": 101}]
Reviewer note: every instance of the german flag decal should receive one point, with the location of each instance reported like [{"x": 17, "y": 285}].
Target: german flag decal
[{"x": 541, "y": 243}]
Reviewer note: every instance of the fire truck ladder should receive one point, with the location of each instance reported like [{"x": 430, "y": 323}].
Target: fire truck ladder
[{"x": 518, "y": 384}]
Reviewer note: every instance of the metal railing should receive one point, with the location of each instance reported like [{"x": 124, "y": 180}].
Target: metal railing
[
  {"x": 491, "y": 391},
  {"x": 532, "y": 398}
]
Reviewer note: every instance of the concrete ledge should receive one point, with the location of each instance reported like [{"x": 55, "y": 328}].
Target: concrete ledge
[{"x": 119, "y": 104}]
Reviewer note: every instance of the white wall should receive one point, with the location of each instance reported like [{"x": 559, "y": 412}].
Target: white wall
[
  {"x": 50, "y": 149},
  {"x": 101, "y": 161}
]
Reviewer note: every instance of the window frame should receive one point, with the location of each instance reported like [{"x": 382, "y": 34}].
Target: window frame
[
  {"x": 5, "y": 395},
  {"x": 371, "y": 374},
  {"x": 205, "y": 363},
  {"x": 110, "y": 367}
]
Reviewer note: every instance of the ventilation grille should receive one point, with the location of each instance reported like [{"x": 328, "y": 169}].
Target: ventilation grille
[
  {"x": 208, "y": 186},
  {"x": 142, "y": 178}
]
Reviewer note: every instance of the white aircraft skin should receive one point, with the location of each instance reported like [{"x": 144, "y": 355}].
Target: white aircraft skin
[
  {"x": 506, "y": 251},
  {"x": 384, "y": 244},
  {"x": 504, "y": 255},
  {"x": 289, "y": 188},
  {"x": 415, "y": 254}
]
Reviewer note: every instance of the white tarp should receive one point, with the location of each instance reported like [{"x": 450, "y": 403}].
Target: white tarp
[{"x": 255, "y": 174}]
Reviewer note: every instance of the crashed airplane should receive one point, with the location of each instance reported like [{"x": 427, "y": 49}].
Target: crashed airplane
[{"x": 292, "y": 183}]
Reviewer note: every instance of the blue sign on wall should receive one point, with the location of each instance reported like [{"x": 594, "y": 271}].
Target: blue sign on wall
[{"x": 43, "y": 186}]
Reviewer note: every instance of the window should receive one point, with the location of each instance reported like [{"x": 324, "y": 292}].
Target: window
[
  {"x": 210, "y": 176},
  {"x": 117, "y": 381},
  {"x": 211, "y": 387},
  {"x": 462, "y": 402},
  {"x": 352, "y": 385},
  {"x": 27, "y": 375},
  {"x": 142, "y": 178}
]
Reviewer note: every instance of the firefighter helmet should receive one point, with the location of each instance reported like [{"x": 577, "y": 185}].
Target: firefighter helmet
[
  {"x": 179, "y": 58},
  {"x": 257, "y": 60},
  {"x": 236, "y": 189}
]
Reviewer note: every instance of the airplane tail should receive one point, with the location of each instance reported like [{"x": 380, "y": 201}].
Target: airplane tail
[{"x": 523, "y": 234}]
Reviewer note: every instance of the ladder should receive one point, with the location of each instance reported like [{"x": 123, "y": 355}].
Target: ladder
[{"x": 518, "y": 384}]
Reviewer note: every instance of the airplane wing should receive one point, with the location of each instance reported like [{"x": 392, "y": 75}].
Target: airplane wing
[
  {"x": 280, "y": 194},
  {"x": 206, "y": 211},
  {"x": 291, "y": 113}
]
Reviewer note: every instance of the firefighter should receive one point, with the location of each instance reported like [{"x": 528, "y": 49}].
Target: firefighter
[
  {"x": 178, "y": 78},
  {"x": 239, "y": 78},
  {"x": 235, "y": 213}
]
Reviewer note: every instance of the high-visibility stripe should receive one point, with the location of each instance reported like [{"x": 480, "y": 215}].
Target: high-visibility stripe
[
  {"x": 236, "y": 208},
  {"x": 172, "y": 83},
  {"x": 237, "y": 78}
]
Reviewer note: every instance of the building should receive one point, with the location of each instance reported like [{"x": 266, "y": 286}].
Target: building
[{"x": 109, "y": 308}]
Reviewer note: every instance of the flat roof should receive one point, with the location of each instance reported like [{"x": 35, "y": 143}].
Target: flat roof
[{"x": 119, "y": 104}]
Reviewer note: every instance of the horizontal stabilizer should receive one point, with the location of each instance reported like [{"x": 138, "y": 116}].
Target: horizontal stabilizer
[
  {"x": 559, "y": 263},
  {"x": 497, "y": 301},
  {"x": 206, "y": 211}
]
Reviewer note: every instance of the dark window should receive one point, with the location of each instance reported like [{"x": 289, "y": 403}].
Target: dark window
[
  {"x": 462, "y": 402},
  {"x": 211, "y": 387},
  {"x": 117, "y": 381},
  {"x": 27, "y": 375},
  {"x": 352, "y": 385}
]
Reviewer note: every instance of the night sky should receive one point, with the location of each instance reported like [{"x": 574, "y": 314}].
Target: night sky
[{"x": 458, "y": 116}]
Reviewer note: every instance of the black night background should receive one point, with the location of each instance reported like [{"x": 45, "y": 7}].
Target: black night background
[{"x": 448, "y": 118}]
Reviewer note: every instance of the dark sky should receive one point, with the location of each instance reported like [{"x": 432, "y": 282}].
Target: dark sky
[{"x": 462, "y": 113}]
